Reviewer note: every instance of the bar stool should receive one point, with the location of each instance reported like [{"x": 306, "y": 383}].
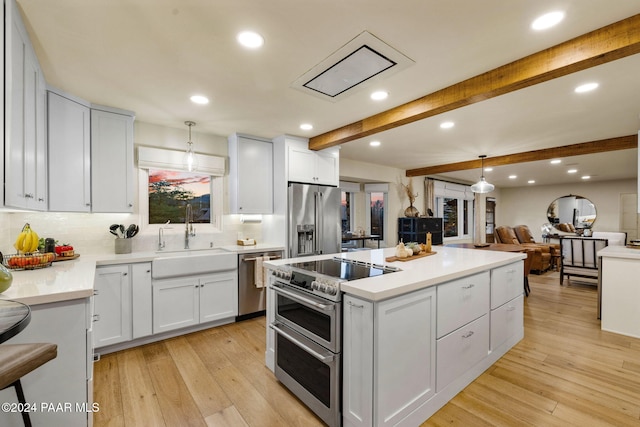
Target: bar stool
[{"x": 17, "y": 360}]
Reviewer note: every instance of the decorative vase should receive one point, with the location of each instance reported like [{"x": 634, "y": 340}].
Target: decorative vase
[{"x": 411, "y": 212}]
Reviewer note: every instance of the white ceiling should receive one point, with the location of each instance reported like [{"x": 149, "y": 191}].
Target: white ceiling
[{"x": 149, "y": 56}]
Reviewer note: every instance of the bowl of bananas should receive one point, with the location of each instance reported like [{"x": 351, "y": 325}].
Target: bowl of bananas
[{"x": 28, "y": 257}]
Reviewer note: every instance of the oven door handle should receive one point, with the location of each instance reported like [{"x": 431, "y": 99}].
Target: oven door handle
[
  {"x": 296, "y": 297},
  {"x": 324, "y": 359}
]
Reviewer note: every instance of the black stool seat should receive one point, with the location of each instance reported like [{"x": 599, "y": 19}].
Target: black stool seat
[{"x": 17, "y": 360}]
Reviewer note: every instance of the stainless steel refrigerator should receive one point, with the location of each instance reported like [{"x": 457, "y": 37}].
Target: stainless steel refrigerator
[{"x": 314, "y": 220}]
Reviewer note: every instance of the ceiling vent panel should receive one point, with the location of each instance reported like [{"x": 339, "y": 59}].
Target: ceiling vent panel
[{"x": 354, "y": 66}]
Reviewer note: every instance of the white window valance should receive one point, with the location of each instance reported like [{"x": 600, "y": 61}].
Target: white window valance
[
  {"x": 376, "y": 188},
  {"x": 161, "y": 158},
  {"x": 449, "y": 189},
  {"x": 350, "y": 187}
]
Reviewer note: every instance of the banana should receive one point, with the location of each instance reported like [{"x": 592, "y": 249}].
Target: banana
[{"x": 27, "y": 240}]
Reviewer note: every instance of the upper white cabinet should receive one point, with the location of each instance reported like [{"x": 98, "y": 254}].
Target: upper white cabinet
[
  {"x": 25, "y": 140},
  {"x": 312, "y": 167},
  {"x": 111, "y": 160},
  {"x": 250, "y": 175},
  {"x": 69, "y": 129}
]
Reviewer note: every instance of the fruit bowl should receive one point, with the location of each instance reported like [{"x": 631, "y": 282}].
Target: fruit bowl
[{"x": 28, "y": 261}]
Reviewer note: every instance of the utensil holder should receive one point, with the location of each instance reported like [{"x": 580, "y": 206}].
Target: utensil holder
[{"x": 123, "y": 246}]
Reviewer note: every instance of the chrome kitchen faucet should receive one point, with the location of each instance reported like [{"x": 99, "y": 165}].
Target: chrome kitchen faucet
[{"x": 188, "y": 226}]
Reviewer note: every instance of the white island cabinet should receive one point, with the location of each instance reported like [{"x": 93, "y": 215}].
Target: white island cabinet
[
  {"x": 415, "y": 338},
  {"x": 620, "y": 290}
]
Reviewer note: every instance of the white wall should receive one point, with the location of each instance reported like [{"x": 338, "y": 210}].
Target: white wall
[
  {"x": 89, "y": 233},
  {"x": 529, "y": 205}
]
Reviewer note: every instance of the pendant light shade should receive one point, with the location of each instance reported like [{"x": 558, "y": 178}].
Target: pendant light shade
[
  {"x": 190, "y": 159},
  {"x": 482, "y": 186}
]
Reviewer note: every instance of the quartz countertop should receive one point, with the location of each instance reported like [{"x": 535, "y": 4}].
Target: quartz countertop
[
  {"x": 448, "y": 263},
  {"x": 619, "y": 252},
  {"x": 73, "y": 279}
]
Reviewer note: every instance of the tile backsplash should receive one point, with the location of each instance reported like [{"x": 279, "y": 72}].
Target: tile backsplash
[{"x": 89, "y": 233}]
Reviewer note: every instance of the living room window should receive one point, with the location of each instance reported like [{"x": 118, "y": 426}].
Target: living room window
[{"x": 454, "y": 204}]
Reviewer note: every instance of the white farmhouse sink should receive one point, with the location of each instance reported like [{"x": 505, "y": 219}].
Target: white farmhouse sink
[{"x": 190, "y": 262}]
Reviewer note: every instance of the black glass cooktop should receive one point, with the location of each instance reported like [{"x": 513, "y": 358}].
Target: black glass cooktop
[{"x": 344, "y": 269}]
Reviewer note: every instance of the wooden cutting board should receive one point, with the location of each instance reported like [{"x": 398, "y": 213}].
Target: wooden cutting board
[
  {"x": 412, "y": 257},
  {"x": 66, "y": 258}
]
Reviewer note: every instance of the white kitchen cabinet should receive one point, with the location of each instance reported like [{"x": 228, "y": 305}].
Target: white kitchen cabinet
[
  {"x": 188, "y": 301},
  {"x": 506, "y": 283},
  {"x": 112, "y": 170},
  {"x": 65, "y": 380},
  {"x": 112, "y": 305},
  {"x": 69, "y": 130},
  {"x": 141, "y": 300},
  {"x": 218, "y": 297},
  {"x": 402, "y": 366},
  {"x": 312, "y": 167},
  {"x": 25, "y": 150},
  {"x": 507, "y": 321},
  {"x": 357, "y": 362},
  {"x": 250, "y": 175},
  {"x": 461, "y": 350},
  {"x": 461, "y": 301},
  {"x": 405, "y": 352}
]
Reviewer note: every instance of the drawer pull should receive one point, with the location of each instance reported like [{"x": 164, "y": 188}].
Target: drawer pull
[
  {"x": 96, "y": 317},
  {"x": 469, "y": 286},
  {"x": 511, "y": 308},
  {"x": 468, "y": 334},
  {"x": 355, "y": 305}
]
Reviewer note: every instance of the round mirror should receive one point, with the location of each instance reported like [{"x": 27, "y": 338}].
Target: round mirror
[{"x": 574, "y": 210}]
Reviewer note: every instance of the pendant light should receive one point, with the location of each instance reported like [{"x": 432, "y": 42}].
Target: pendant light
[
  {"x": 190, "y": 159},
  {"x": 482, "y": 186}
]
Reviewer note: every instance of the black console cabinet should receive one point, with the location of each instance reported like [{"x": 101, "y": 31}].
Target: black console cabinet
[{"x": 416, "y": 229}]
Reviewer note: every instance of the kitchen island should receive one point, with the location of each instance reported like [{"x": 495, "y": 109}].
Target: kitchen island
[
  {"x": 414, "y": 338},
  {"x": 620, "y": 290}
]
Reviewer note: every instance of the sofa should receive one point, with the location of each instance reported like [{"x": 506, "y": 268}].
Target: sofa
[{"x": 542, "y": 252}]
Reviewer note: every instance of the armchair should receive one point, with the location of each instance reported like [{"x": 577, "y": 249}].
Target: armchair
[
  {"x": 542, "y": 252},
  {"x": 525, "y": 236}
]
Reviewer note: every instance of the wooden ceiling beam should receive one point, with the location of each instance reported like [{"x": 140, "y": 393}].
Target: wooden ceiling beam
[
  {"x": 615, "y": 41},
  {"x": 592, "y": 147}
]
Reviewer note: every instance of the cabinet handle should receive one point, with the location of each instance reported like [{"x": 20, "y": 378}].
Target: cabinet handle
[
  {"x": 130, "y": 205},
  {"x": 87, "y": 204},
  {"x": 28, "y": 196},
  {"x": 148, "y": 271},
  {"x": 96, "y": 292},
  {"x": 468, "y": 334},
  {"x": 355, "y": 305},
  {"x": 511, "y": 308},
  {"x": 469, "y": 286},
  {"x": 96, "y": 317},
  {"x": 124, "y": 274},
  {"x": 40, "y": 199}
]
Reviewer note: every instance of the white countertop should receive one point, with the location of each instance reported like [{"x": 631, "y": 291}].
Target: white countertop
[
  {"x": 619, "y": 252},
  {"x": 447, "y": 264},
  {"x": 73, "y": 279}
]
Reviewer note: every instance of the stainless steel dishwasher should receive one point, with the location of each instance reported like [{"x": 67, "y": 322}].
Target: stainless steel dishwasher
[{"x": 252, "y": 297}]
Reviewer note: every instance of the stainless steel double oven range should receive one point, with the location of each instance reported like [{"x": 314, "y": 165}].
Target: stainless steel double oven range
[{"x": 308, "y": 326}]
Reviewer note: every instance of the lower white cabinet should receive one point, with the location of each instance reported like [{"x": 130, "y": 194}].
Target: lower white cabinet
[
  {"x": 506, "y": 321},
  {"x": 188, "y": 301},
  {"x": 112, "y": 305},
  {"x": 402, "y": 366},
  {"x": 462, "y": 349},
  {"x": 122, "y": 303}
]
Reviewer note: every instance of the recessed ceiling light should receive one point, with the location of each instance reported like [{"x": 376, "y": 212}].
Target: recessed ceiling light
[
  {"x": 447, "y": 125},
  {"x": 547, "y": 20},
  {"x": 531, "y": 181},
  {"x": 306, "y": 126},
  {"x": 374, "y": 143},
  {"x": 379, "y": 95},
  {"x": 555, "y": 161},
  {"x": 489, "y": 169},
  {"x": 587, "y": 87},
  {"x": 199, "y": 99},
  {"x": 250, "y": 39},
  {"x": 572, "y": 171},
  {"x": 586, "y": 177},
  {"x": 513, "y": 176}
]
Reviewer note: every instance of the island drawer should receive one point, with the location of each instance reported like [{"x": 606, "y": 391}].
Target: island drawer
[
  {"x": 507, "y": 282},
  {"x": 462, "y": 301},
  {"x": 461, "y": 350},
  {"x": 506, "y": 321}
]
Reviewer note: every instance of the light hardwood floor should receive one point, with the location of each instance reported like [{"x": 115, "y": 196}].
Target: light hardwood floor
[{"x": 565, "y": 372}]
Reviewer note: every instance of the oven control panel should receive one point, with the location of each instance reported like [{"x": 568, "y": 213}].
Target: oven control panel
[{"x": 326, "y": 287}]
